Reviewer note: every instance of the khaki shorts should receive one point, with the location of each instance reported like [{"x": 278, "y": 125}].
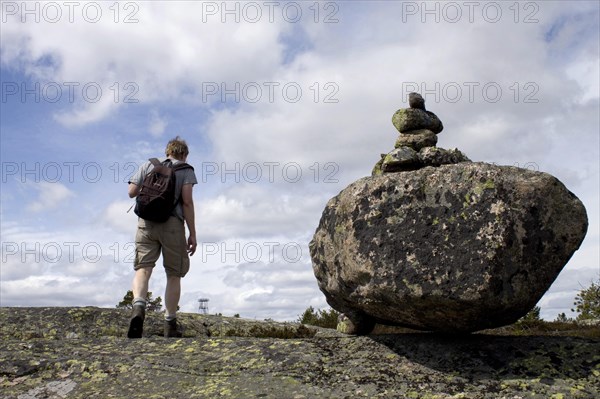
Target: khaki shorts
[{"x": 169, "y": 238}]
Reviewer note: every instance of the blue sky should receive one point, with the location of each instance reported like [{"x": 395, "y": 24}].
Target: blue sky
[{"x": 281, "y": 109}]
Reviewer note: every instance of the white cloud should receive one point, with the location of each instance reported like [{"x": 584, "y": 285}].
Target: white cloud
[
  {"x": 62, "y": 265},
  {"x": 118, "y": 218},
  {"x": 166, "y": 52},
  {"x": 157, "y": 124},
  {"x": 93, "y": 108},
  {"x": 583, "y": 71},
  {"x": 142, "y": 150},
  {"x": 58, "y": 290},
  {"x": 14, "y": 262},
  {"x": 50, "y": 196},
  {"x": 256, "y": 211}
]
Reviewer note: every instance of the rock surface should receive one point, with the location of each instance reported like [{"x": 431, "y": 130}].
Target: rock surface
[
  {"x": 456, "y": 248},
  {"x": 81, "y": 353},
  {"x": 405, "y": 158},
  {"x": 401, "y": 158},
  {"x": 408, "y": 119},
  {"x": 417, "y": 139},
  {"x": 416, "y": 100},
  {"x": 435, "y": 156}
]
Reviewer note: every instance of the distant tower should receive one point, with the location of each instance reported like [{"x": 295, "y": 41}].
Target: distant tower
[{"x": 203, "y": 305}]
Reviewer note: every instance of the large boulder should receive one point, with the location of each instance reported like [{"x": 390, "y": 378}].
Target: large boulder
[{"x": 454, "y": 248}]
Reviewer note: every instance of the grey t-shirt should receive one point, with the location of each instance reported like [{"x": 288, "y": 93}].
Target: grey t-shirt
[{"x": 184, "y": 176}]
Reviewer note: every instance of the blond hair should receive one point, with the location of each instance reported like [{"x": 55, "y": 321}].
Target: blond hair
[{"x": 177, "y": 148}]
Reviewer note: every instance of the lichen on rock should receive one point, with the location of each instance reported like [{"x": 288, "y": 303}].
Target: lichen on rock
[
  {"x": 102, "y": 364},
  {"x": 459, "y": 247},
  {"x": 436, "y": 242}
]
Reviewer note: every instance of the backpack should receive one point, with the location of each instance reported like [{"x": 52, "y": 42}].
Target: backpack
[{"x": 156, "y": 199}]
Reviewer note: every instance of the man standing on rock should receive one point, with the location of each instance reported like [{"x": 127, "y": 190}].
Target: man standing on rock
[{"x": 162, "y": 234}]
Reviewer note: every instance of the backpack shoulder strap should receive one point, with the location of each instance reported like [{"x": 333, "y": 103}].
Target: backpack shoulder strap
[
  {"x": 183, "y": 165},
  {"x": 155, "y": 164}
]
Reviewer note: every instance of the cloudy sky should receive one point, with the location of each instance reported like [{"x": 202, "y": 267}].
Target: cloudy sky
[{"x": 283, "y": 104}]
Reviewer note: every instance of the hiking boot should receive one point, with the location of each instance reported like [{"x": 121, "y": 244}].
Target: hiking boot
[
  {"x": 173, "y": 329},
  {"x": 136, "y": 324}
]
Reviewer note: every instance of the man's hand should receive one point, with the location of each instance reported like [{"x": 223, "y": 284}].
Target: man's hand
[
  {"x": 133, "y": 190},
  {"x": 191, "y": 245}
]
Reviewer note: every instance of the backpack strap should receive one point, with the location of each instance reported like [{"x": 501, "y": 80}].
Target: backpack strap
[
  {"x": 179, "y": 166},
  {"x": 155, "y": 163},
  {"x": 167, "y": 162},
  {"x": 182, "y": 165}
]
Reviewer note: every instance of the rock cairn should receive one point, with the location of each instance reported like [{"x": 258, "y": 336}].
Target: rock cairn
[
  {"x": 415, "y": 146},
  {"x": 436, "y": 242}
]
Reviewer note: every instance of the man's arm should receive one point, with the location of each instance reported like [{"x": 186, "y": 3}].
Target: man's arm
[
  {"x": 133, "y": 190},
  {"x": 188, "y": 215}
]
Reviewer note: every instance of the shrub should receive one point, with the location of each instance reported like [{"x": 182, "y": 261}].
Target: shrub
[
  {"x": 587, "y": 302},
  {"x": 319, "y": 318}
]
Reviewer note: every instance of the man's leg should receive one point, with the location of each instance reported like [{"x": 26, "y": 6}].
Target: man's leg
[
  {"x": 147, "y": 251},
  {"x": 140, "y": 283},
  {"x": 172, "y": 294},
  {"x": 177, "y": 264},
  {"x": 140, "y": 292}
]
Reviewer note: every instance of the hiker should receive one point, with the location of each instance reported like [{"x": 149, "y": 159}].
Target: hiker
[{"x": 161, "y": 229}]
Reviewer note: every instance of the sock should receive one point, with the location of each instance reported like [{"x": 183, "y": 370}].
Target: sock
[
  {"x": 139, "y": 302},
  {"x": 170, "y": 317}
]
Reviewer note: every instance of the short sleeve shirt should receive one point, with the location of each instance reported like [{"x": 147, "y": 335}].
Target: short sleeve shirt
[{"x": 184, "y": 176}]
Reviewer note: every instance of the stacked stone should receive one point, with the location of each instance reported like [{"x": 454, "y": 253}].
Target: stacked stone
[
  {"x": 415, "y": 147},
  {"x": 418, "y": 127}
]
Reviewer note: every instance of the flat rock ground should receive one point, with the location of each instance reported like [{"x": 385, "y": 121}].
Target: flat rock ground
[{"x": 83, "y": 353}]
